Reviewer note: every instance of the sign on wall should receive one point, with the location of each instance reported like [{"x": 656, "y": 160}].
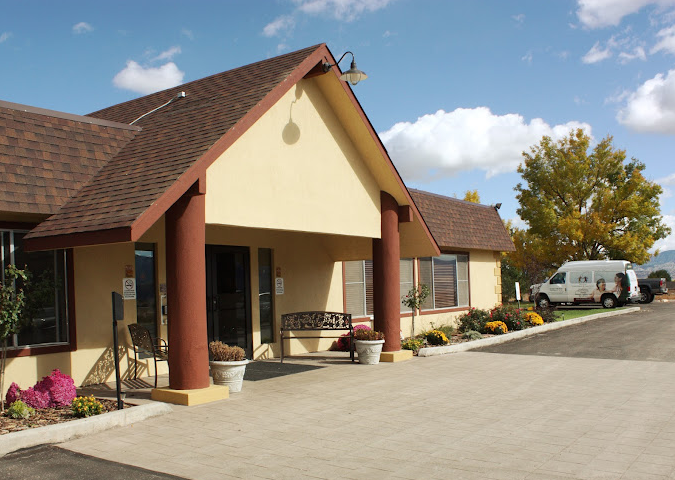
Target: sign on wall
[
  {"x": 279, "y": 286},
  {"x": 129, "y": 289}
]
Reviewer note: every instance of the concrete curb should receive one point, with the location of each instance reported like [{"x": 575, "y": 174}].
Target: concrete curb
[
  {"x": 466, "y": 346},
  {"x": 62, "y": 432}
]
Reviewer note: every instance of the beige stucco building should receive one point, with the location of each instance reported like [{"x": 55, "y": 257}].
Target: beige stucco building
[{"x": 252, "y": 194}]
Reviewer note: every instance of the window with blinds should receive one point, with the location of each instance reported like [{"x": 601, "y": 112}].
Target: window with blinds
[
  {"x": 359, "y": 285},
  {"x": 447, "y": 277}
]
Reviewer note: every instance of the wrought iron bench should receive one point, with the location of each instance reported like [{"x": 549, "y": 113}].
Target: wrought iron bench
[
  {"x": 143, "y": 342},
  {"x": 316, "y": 321}
]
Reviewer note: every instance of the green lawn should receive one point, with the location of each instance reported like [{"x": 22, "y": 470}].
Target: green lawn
[{"x": 571, "y": 312}]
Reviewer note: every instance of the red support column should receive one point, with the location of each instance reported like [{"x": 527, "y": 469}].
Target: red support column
[
  {"x": 387, "y": 276},
  {"x": 186, "y": 292}
]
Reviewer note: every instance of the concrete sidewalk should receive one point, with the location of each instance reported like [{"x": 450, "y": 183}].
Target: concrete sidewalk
[{"x": 462, "y": 416}]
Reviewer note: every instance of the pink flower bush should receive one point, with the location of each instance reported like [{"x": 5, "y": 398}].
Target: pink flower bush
[
  {"x": 55, "y": 390},
  {"x": 343, "y": 341},
  {"x": 35, "y": 398},
  {"x": 12, "y": 394},
  {"x": 61, "y": 388}
]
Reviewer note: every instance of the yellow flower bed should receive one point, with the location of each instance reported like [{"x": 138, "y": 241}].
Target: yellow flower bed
[
  {"x": 496, "y": 327},
  {"x": 534, "y": 318},
  {"x": 436, "y": 337}
]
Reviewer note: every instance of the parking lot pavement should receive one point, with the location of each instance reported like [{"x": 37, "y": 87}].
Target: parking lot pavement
[
  {"x": 648, "y": 335},
  {"x": 472, "y": 415},
  {"x": 49, "y": 462}
]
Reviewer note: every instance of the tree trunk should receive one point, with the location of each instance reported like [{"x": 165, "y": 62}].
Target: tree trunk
[{"x": 3, "y": 359}]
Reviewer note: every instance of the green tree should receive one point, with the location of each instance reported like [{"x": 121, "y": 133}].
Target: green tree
[
  {"x": 12, "y": 303},
  {"x": 414, "y": 300},
  {"x": 583, "y": 204},
  {"x": 660, "y": 274},
  {"x": 531, "y": 263},
  {"x": 472, "y": 196}
]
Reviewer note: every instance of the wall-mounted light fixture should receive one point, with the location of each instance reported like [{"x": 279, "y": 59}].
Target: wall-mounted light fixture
[{"x": 353, "y": 75}]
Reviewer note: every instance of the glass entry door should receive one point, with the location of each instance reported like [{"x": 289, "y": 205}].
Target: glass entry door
[{"x": 228, "y": 296}]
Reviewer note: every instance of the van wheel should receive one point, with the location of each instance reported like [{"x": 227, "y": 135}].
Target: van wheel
[
  {"x": 609, "y": 301},
  {"x": 542, "y": 301}
]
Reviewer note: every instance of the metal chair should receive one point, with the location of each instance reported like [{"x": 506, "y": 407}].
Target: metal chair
[{"x": 143, "y": 342}]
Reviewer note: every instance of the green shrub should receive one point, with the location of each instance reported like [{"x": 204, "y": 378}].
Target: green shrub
[
  {"x": 547, "y": 314},
  {"x": 413, "y": 344},
  {"x": 448, "y": 330},
  {"x": 474, "y": 320},
  {"x": 471, "y": 335},
  {"x": 513, "y": 318},
  {"x": 436, "y": 337},
  {"x": 18, "y": 409},
  {"x": 86, "y": 406}
]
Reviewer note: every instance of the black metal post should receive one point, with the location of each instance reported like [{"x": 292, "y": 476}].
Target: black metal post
[{"x": 118, "y": 313}]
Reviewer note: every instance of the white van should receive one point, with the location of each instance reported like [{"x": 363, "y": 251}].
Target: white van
[{"x": 606, "y": 282}]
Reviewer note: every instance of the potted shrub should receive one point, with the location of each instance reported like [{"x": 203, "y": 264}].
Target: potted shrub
[
  {"x": 228, "y": 365},
  {"x": 368, "y": 346}
]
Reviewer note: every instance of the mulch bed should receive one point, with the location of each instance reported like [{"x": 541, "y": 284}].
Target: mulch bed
[{"x": 47, "y": 416}]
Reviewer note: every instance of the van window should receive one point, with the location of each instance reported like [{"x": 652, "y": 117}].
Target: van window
[
  {"x": 558, "y": 278},
  {"x": 581, "y": 277}
]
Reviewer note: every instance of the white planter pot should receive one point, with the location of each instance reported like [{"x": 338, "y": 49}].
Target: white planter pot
[
  {"x": 229, "y": 373},
  {"x": 369, "y": 351}
]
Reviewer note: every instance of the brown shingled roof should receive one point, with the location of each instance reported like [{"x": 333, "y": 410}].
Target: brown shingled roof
[
  {"x": 458, "y": 224},
  {"x": 153, "y": 170},
  {"x": 47, "y": 156}
]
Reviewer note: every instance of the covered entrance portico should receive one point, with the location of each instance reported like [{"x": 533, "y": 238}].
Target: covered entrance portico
[{"x": 290, "y": 169}]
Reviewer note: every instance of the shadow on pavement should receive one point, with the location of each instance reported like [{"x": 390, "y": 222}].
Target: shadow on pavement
[{"x": 49, "y": 462}]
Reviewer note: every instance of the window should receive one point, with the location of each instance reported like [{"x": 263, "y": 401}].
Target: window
[
  {"x": 265, "y": 296},
  {"x": 46, "y": 300},
  {"x": 447, "y": 277},
  {"x": 558, "y": 279},
  {"x": 359, "y": 286}
]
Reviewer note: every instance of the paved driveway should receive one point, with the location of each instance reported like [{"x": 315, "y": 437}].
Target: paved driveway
[
  {"x": 648, "y": 335},
  {"x": 473, "y": 415}
]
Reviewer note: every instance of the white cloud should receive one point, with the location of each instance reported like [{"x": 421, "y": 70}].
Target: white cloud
[
  {"x": 666, "y": 42},
  {"x": 5, "y": 36},
  {"x": 669, "y": 180},
  {"x": 279, "y": 25},
  {"x": 667, "y": 243},
  {"x": 596, "y": 54},
  {"x": 517, "y": 222},
  {"x": 144, "y": 80},
  {"x": 187, "y": 33},
  {"x": 520, "y": 18},
  {"x": 605, "y": 13},
  {"x": 167, "y": 54},
  {"x": 651, "y": 108},
  {"x": 637, "y": 53},
  {"x": 345, "y": 10},
  {"x": 527, "y": 58},
  {"x": 82, "y": 27},
  {"x": 445, "y": 143},
  {"x": 342, "y": 10}
]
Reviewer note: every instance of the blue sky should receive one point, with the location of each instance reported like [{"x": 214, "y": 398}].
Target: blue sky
[{"x": 457, "y": 90}]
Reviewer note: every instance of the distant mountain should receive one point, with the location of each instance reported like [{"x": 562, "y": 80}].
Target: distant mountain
[{"x": 663, "y": 261}]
